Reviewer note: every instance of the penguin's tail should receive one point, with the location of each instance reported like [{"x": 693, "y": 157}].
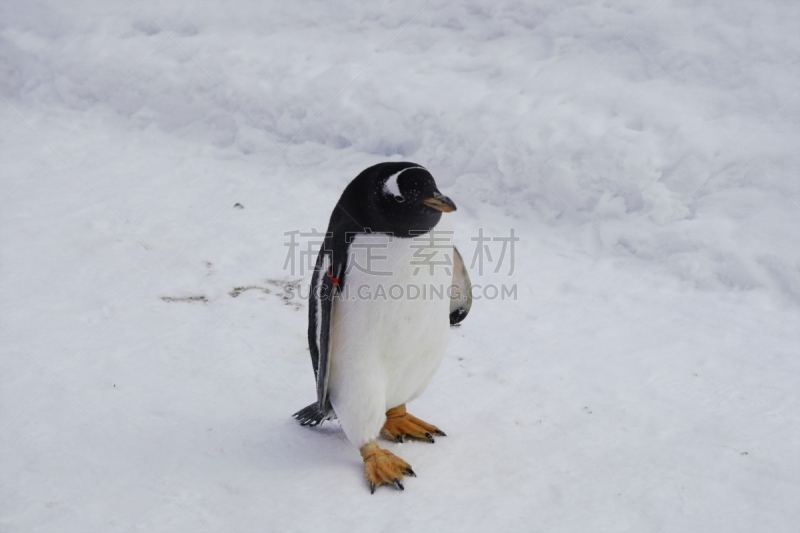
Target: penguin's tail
[{"x": 312, "y": 415}]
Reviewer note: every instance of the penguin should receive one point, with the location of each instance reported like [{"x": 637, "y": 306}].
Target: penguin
[{"x": 387, "y": 283}]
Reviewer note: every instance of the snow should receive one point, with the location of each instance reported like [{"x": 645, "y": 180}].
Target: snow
[{"x": 645, "y": 153}]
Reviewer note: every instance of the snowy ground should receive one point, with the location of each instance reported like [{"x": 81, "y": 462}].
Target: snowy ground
[{"x": 646, "y": 378}]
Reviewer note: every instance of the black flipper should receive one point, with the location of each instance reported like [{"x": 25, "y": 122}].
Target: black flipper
[
  {"x": 325, "y": 286},
  {"x": 461, "y": 297}
]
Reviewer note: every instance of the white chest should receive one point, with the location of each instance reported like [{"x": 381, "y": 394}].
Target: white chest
[{"x": 392, "y": 321}]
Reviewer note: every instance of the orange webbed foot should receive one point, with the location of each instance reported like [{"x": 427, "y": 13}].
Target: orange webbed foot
[
  {"x": 382, "y": 467},
  {"x": 400, "y": 424}
]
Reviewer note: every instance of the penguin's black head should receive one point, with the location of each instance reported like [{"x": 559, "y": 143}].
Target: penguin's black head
[{"x": 404, "y": 199}]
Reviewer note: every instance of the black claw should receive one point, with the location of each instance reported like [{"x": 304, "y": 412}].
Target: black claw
[
  {"x": 429, "y": 437},
  {"x": 411, "y": 472},
  {"x": 371, "y": 487},
  {"x": 399, "y": 438},
  {"x": 398, "y": 485},
  {"x": 440, "y": 432}
]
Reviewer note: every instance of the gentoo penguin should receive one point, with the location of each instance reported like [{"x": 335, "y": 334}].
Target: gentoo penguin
[{"x": 387, "y": 283}]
